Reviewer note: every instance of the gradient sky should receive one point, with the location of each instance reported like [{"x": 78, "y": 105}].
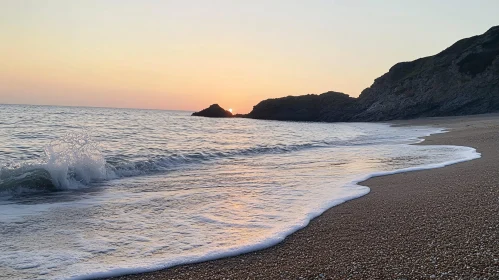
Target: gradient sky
[{"x": 188, "y": 54}]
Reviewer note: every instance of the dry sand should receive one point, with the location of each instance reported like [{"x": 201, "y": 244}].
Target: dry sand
[{"x": 439, "y": 223}]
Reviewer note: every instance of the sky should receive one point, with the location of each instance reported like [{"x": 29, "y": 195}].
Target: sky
[{"x": 188, "y": 54}]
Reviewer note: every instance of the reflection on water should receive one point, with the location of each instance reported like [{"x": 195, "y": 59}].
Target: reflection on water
[{"x": 235, "y": 185}]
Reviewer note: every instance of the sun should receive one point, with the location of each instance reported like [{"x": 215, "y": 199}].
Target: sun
[{"x": 230, "y": 110}]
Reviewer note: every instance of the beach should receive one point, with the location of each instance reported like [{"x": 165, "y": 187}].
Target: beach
[
  {"x": 432, "y": 224},
  {"x": 249, "y": 140}
]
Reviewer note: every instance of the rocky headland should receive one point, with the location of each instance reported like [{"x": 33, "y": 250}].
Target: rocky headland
[{"x": 461, "y": 80}]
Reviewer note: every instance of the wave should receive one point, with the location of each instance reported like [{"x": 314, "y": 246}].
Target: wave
[
  {"x": 75, "y": 161},
  {"x": 71, "y": 162},
  {"x": 165, "y": 163}
]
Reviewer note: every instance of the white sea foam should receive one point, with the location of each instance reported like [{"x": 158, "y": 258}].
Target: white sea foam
[
  {"x": 74, "y": 160},
  {"x": 352, "y": 191},
  {"x": 140, "y": 243}
]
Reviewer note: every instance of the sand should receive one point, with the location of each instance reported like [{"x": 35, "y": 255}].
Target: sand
[{"x": 433, "y": 224}]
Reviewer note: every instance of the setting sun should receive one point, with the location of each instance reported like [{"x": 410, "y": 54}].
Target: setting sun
[{"x": 230, "y": 110}]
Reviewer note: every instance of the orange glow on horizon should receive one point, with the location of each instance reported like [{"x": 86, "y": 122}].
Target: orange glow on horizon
[{"x": 187, "y": 55}]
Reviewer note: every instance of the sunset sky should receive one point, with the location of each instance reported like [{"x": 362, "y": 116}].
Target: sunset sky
[{"x": 186, "y": 55}]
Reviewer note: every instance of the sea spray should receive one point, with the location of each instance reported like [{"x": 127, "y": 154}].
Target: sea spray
[
  {"x": 74, "y": 160},
  {"x": 71, "y": 161}
]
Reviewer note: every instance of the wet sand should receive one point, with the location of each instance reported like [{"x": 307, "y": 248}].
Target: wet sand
[{"x": 432, "y": 224}]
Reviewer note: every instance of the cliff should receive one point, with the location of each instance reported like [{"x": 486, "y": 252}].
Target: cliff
[{"x": 463, "y": 79}]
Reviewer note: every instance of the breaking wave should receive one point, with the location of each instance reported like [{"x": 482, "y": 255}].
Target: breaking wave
[
  {"x": 75, "y": 161},
  {"x": 70, "y": 162}
]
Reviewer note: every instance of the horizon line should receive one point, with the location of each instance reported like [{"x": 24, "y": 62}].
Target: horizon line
[{"x": 89, "y": 106}]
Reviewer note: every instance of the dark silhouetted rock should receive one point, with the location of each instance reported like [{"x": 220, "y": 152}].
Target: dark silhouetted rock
[
  {"x": 214, "y": 111},
  {"x": 461, "y": 80},
  {"x": 329, "y": 106}
]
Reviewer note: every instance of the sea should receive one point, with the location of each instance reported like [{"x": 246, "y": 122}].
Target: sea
[{"x": 99, "y": 192}]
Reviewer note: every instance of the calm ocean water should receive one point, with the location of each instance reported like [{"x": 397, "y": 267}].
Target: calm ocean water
[{"x": 87, "y": 192}]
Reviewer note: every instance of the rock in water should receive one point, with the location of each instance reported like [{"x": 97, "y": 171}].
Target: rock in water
[{"x": 214, "y": 111}]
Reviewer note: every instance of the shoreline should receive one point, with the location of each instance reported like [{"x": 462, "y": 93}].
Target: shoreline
[{"x": 344, "y": 241}]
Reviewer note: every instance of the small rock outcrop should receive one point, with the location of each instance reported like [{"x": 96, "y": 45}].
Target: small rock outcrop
[{"x": 214, "y": 111}]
